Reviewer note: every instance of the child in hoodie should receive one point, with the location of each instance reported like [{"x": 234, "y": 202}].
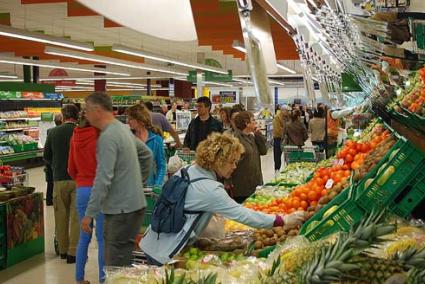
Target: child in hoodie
[
  {"x": 139, "y": 120},
  {"x": 82, "y": 169}
]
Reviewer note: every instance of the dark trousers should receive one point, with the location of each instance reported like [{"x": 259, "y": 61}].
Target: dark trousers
[
  {"x": 49, "y": 193},
  {"x": 277, "y": 153},
  {"x": 120, "y": 231},
  {"x": 320, "y": 144}
]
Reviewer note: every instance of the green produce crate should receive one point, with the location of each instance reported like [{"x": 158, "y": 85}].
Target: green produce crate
[
  {"x": 411, "y": 196},
  {"x": 343, "y": 218},
  {"x": 300, "y": 156},
  {"x": 380, "y": 192},
  {"x": 30, "y": 146},
  {"x": 18, "y": 148},
  {"x": 25, "y": 251}
]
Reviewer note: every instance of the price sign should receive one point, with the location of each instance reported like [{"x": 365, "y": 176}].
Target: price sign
[{"x": 329, "y": 183}]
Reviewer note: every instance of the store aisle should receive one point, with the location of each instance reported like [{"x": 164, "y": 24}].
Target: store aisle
[{"x": 49, "y": 268}]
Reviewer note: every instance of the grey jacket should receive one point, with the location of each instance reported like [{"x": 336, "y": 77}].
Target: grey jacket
[
  {"x": 123, "y": 162},
  {"x": 210, "y": 197}
]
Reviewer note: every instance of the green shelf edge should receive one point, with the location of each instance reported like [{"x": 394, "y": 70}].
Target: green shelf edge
[{"x": 21, "y": 156}]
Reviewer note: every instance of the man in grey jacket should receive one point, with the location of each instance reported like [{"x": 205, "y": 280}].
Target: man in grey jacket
[{"x": 118, "y": 185}]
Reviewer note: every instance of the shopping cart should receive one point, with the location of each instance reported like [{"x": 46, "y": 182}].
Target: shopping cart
[
  {"x": 151, "y": 195},
  {"x": 186, "y": 156},
  {"x": 292, "y": 154}
]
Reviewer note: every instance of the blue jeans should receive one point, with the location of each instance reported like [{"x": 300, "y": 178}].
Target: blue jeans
[{"x": 83, "y": 197}]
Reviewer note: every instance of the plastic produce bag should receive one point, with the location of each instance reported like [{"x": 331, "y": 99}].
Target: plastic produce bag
[
  {"x": 215, "y": 228},
  {"x": 174, "y": 164}
]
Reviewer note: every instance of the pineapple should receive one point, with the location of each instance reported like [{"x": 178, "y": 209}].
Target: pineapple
[
  {"x": 274, "y": 276},
  {"x": 332, "y": 263},
  {"x": 375, "y": 270},
  {"x": 416, "y": 276}
]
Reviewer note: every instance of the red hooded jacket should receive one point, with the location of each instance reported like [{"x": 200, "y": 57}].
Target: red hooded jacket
[{"x": 82, "y": 156}]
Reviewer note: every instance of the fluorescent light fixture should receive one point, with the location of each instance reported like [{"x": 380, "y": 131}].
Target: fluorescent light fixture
[
  {"x": 33, "y": 36},
  {"x": 272, "y": 76},
  {"x": 218, "y": 84},
  {"x": 8, "y": 76},
  {"x": 286, "y": 68},
  {"x": 102, "y": 78},
  {"x": 29, "y": 62},
  {"x": 276, "y": 82},
  {"x": 242, "y": 81},
  {"x": 314, "y": 78},
  {"x": 145, "y": 54},
  {"x": 239, "y": 46},
  {"x": 107, "y": 60}
]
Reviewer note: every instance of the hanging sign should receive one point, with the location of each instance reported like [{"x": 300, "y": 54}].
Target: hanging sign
[{"x": 228, "y": 97}]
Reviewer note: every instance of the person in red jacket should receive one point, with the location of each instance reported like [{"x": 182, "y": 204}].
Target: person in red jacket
[{"x": 82, "y": 168}]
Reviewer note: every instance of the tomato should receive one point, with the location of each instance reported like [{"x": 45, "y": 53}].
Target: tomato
[
  {"x": 352, "y": 152},
  {"x": 297, "y": 192},
  {"x": 365, "y": 148},
  {"x": 349, "y": 143},
  {"x": 313, "y": 203},
  {"x": 295, "y": 203},
  {"x": 349, "y": 158},
  {"x": 303, "y": 196},
  {"x": 325, "y": 178},
  {"x": 312, "y": 196},
  {"x": 304, "y": 204},
  {"x": 346, "y": 173},
  {"x": 323, "y": 192},
  {"x": 345, "y": 167},
  {"x": 343, "y": 153},
  {"x": 292, "y": 210}
]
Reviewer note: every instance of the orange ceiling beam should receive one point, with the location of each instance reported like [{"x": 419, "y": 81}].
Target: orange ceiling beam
[
  {"x": 110, "y": 24},
  {"x": 75, "y": 9}
]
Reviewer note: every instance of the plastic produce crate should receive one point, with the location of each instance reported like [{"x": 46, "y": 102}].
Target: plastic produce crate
[
  {"x": 411, "y": 196},
  {"x": 188, "y": 157},
  {"x": 343, "y": 218},
  {"x": 147, "y": 218},
  {"x": 381, "y": 192}
]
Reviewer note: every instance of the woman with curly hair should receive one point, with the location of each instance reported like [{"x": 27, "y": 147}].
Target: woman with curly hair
[
  {"x": 139, "y": 120},
  {"x": 216, "y": 157}
]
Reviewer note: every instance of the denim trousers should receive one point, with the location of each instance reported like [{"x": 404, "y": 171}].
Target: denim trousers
[{"x": 83, "y": 197}]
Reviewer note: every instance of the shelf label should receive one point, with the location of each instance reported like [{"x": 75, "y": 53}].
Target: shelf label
[{"x": 329, "y": 183}]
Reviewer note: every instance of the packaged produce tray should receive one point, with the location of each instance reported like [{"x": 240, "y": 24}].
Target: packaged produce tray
[{"x": 388, "y": 179}]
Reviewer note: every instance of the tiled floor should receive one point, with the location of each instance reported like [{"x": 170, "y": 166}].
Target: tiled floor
[{"x": 49, "y": 268}]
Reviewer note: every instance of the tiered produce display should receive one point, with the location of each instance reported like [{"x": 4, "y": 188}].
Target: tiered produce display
[{"x": 341, "y": 241}]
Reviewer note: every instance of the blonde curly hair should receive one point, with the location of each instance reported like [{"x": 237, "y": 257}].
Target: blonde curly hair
[{"x": 218, "y": 149}]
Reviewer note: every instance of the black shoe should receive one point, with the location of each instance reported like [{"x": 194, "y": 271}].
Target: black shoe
[
  {"x": 70, "y": 259},
  {"x": 63, "y": 256},
  {"x": 49, "y": 203}
]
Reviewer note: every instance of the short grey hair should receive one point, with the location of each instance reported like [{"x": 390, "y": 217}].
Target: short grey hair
[{"x": 100, "y": 99}]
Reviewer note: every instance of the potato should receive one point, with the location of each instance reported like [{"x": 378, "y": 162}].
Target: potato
[
  {"x": 324, "y": 200},
  {"x": 293, "y": 232},
  {"x": 259, "y": 245}
]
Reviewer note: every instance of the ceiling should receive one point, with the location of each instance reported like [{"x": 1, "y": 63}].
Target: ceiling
[{"x": 216, "y": 22}]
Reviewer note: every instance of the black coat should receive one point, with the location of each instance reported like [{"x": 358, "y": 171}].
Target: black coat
[{"x": 192, "y": 139}]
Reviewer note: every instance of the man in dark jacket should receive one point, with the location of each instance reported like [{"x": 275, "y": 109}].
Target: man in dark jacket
[
  {"x": 56, "y": 152},
  {"x": 202, "y": 126}
]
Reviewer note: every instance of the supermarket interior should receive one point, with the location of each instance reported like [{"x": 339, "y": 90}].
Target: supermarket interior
[{"x": 212, "y": 141}]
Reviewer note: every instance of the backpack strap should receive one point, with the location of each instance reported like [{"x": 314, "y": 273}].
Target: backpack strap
[
  {"x": 192, "y": 211},
  {"x": 186, "y": 236}
]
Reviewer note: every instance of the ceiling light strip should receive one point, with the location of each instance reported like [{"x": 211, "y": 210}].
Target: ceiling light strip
[
  {"x": 107, "y": 60},
  {"x": 281, "y": 66},
  {"x": 29, "y": 62},
  {"x": 38, "y": 37},
  {"x": 145, "y": 54}
]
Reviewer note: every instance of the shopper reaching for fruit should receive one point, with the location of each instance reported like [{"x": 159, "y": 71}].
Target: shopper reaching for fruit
[{"x": 198, "y": 195}]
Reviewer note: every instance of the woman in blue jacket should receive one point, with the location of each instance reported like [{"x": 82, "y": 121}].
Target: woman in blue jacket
[
  {"x": 139, "y": 120},
  {"x": 216, "y": 157}
]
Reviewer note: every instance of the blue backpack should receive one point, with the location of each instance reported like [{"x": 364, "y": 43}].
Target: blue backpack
[{"x": 168, "y": 214}]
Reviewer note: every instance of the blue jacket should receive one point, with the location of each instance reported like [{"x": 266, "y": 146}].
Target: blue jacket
[
  {"x": 159, "y": 165},
  {"x": 210, "y": 197}
]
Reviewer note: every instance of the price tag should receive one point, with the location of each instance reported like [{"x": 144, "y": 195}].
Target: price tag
[
  {"x": 329, "y": 183},
  {"x": 341, "y": 162}
]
